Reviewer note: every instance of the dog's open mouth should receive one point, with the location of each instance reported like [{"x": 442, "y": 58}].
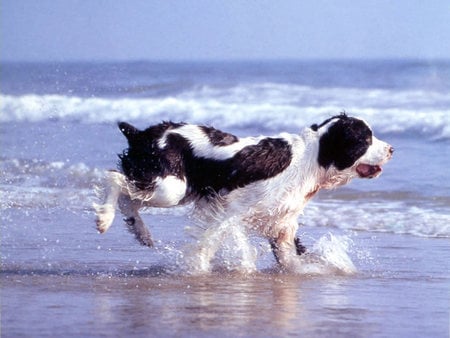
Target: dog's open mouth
[{"x": 368, "y": 170}]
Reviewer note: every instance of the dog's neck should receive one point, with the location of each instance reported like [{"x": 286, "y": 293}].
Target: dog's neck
[
  {"x": 331, "y": 178},
  {"x": 325, "y": 178}
]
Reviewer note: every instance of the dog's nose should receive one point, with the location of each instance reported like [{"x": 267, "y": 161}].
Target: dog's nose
[{"x": 391, "y": 150}]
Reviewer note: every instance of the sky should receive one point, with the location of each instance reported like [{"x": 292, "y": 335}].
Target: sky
[{"x": 109, "y": 30}]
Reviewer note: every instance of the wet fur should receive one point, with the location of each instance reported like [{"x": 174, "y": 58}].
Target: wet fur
[{"x": 261, "y": 182}]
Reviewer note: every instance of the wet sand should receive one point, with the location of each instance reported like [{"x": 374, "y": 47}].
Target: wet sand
[{"x": 60, "y": 278}]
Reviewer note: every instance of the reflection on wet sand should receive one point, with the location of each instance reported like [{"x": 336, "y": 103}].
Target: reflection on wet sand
[{"x": 214, "y": 303}]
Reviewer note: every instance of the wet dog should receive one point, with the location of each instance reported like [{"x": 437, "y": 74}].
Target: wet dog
[{"x": 262, "y": 182}]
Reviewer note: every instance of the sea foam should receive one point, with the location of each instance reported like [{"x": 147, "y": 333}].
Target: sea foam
[{"x": 267, "y": 106}]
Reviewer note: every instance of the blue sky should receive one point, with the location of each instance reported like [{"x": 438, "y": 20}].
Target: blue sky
[{"x": 61, "y": 30}]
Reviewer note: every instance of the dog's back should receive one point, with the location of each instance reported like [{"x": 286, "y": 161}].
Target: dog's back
[{"x": 209, "y": 161}]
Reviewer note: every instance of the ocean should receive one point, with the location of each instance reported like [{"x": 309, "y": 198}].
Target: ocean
[{"x": 386, "y": 240}]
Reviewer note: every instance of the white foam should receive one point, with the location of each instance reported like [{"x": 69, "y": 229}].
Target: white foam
[
  {"x": 35, "y": 183},
  {"x": 379, "y": 216},
  {"x": 264, "y": 106}
]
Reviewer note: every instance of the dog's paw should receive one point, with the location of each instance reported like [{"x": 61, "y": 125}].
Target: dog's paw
[
  {"x": 146, "y": 240},
  {"x": 139, "y": 230},
  {"x": 104, "y": 216}
]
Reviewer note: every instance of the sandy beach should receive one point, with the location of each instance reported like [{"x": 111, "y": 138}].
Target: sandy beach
[
  {"x": 378, "y": 250},
  {"x": 68, "y": 280}
]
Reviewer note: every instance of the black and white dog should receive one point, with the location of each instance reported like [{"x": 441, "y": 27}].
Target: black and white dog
[{"x": 265, "y": 181}]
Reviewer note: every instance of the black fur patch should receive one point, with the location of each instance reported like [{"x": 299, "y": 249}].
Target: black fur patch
[
  {"x": 219, "y": 138},
  {"x": 253, "y": 163},
  {"x": 299, "y": 247},
  {"x": 344, "y": 142},
  {"x": 143, "y": 161}
]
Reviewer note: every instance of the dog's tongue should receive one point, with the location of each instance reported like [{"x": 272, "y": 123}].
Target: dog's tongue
[{"x": 367, "y": 170}]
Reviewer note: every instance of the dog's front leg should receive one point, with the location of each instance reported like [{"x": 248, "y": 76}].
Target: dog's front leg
[
  {"x": 286, "y": 247},
  {"x": 115, "y": 183},
  {"x": 300, "y": 249},
  {"x": 130, "y": 210}
]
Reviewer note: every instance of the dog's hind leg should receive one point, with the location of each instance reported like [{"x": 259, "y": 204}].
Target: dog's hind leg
[
  {"x": 299, "y": 247},
  {"x": 105, "y": 212},
  {"x": 130, "y": 211}
]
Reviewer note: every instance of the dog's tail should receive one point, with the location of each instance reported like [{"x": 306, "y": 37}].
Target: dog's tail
[{"x": 128, "y": 130}]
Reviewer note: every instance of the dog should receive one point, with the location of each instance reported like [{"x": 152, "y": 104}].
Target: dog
[{"x": 263, "y": 182}]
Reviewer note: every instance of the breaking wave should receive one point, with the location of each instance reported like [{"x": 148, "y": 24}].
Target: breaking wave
[
  {"x": 35, "y": 183},
  {"x": 264, "y": 106}
]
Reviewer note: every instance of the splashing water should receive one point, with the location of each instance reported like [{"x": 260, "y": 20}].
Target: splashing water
[
  {"x": 227, "y": 247},
  {"x": 332, "y": 255},
  {"x": 222, "y": 246}
]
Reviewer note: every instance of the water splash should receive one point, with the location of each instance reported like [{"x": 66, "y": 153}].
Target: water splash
[
  {"x": 228, "y": 247},
  {"x": 330, "y": 254}
]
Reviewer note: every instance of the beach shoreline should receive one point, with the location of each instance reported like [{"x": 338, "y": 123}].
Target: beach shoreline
[
  {"x": 109, "y": 285},
  {"x": 59, "y": 276}
]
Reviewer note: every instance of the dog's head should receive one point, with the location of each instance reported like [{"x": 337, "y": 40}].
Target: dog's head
[
  {"x": 144, "y": 160},
  {"x": 138, "y": 162},
  {"x": 348, "y": 144}
]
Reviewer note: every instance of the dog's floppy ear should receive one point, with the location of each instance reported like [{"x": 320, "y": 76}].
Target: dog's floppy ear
[{"x": 128, "y": 130}]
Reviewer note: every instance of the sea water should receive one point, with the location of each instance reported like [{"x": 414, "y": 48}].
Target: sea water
[{"x": 378, "y": 262}]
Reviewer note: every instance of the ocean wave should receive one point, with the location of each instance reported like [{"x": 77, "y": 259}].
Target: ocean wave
[
  {"x": 265, "y": 106},
  {"x": 390, "y": 216},
  {"x": 38, "y": 173},
  {"x": 28, "y": 184},
  {"x": 381, "y": 216}
]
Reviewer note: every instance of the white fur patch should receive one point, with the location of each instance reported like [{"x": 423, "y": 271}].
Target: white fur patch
[
  {"x": 168, "y": 192},
  {"x": 269, "y": 206},
  {"x": 202, "y": 146}
]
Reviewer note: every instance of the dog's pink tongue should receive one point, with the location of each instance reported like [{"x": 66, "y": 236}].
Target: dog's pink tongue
[{"x": 367, "y": 170}]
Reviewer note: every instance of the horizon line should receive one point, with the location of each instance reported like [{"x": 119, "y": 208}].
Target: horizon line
[{"x": 231, "y": 60}]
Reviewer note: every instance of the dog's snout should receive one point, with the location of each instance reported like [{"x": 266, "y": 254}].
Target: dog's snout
[{"x": 390, "y": 151}]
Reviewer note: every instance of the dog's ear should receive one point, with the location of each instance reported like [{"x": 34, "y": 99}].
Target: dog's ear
[{"x": 128, "y": 130}]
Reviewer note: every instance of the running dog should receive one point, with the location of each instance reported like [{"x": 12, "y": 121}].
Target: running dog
[{"x": 266, "y": 181}]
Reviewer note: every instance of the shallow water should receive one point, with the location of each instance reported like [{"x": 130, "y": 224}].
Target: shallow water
[
  {"x": 378, "y": 250},
  {"x": 61, "y": 278}
]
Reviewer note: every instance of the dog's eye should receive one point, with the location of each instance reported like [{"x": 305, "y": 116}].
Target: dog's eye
[{"x": 369, "y": 140}]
